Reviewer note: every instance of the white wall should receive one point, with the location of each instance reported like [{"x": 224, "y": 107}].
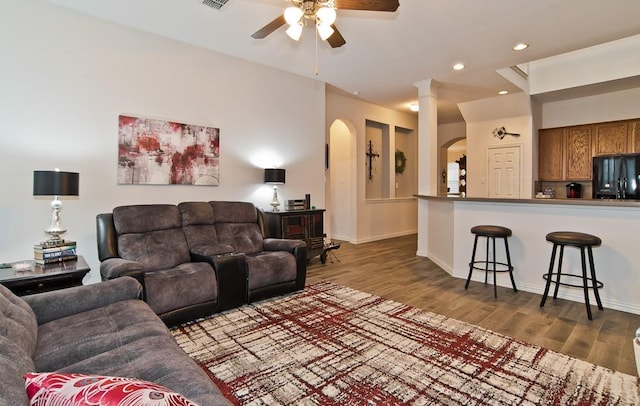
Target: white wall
[
  {"x": 340, "y": 224},
  {"x": 380, "y": 218},
  {"x": 619, "y": 105},
  {"x": 597, "y": 64},
  {"x": 65, "y": 78}
]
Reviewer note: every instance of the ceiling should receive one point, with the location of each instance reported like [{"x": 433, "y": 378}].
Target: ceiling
[{"x": 386, "y": 53}]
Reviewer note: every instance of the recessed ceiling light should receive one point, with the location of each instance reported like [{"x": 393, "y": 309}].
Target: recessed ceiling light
[
  {"x": 414, "y": 107},
  {"x": 458, "y": 66},
  {"x": 503, "y": 92},
  {"x": 520, "y": 46}
]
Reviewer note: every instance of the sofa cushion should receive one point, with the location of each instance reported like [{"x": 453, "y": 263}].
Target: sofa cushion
[
  {"x": 143, "y": 218},
  {"x": 181, "y": 286},
  {"x": 81, "y": 336},
  {"x": 237, "y": 226},
  {"x": 18, "y": 337},
  {"x": 83, "y": 390},
  {"x": 245, "y": 238},
  {"x": 198, "y": 224},
  {"x": 158, "y": 359},
  {"x": 270, "y": 268},
  {"x": 18, "y": 322},
  {"x": 151, "y": 235}
]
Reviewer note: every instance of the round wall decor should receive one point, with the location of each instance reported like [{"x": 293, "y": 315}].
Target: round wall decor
[{"x": 401, "y": 161}]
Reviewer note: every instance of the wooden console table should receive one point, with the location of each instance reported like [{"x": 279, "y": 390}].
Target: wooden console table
[
  {"x": 36, "y": 278},
  {"x": 306, "y": 225}
]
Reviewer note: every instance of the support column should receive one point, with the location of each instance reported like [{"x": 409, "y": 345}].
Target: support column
[{"x": 427, "y": 157}]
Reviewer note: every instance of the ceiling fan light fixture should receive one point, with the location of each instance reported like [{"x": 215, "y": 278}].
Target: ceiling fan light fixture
[
  {"x": 292, "y": 15},
  {"x": 326, "y": 16},
  {"x": 295, "y": 31},
  {"x": 325, "y": 31}
]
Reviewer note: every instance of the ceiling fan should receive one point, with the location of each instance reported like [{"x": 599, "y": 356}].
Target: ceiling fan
[{"x": 322, "y": 13}]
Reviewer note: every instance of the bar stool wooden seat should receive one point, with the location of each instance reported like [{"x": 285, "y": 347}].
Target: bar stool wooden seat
[
  {"x": 491, "y": 232},
  {"x": 581, "y": 241}
]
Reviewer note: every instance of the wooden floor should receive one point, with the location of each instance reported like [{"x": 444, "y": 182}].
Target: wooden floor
[{"x": 391, "y": 269}]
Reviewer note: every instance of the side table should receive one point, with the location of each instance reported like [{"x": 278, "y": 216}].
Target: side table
[{"x": 27, "y": 277}]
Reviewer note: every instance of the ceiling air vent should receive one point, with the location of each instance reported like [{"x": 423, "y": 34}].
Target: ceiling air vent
[{"x": 216, "y": 4}]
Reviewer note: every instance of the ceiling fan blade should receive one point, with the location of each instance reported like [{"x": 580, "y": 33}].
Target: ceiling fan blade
[
  {"x": 269, "y": 28},
  {"x": 336, "y": 40},
  {"x": 371, "y": 5}
]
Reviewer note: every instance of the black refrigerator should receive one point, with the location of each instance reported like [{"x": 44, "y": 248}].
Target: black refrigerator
[{"x": 616, "y": 176}]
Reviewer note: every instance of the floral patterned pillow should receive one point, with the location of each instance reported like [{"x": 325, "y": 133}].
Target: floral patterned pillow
[{"x": 62, "y": 389}]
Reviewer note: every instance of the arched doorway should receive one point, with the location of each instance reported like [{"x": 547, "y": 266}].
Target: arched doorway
[
  {"x": 341, "y": 181},
  {"x": 454, "y": 176}
]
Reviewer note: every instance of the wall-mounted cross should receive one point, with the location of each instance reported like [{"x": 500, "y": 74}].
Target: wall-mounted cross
[{"x": 371, "y": 155}]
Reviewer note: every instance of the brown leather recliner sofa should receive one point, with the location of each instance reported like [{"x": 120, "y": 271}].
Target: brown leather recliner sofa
[{"x": 198, "y": 258}]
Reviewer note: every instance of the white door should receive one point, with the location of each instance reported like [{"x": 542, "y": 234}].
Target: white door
[{"x": 504, "y": 172}]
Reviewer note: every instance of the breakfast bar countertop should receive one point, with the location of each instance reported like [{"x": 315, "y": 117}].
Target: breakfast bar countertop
[{"x": 567, "y": 201}]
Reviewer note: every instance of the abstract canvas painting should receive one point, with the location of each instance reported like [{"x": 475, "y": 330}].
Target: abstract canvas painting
[{"x": 161, "y": 152}]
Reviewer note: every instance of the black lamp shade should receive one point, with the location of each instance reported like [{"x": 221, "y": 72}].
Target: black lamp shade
[
  {"x": 274, "y": 175},
  {"x": 55, "y": 183}
]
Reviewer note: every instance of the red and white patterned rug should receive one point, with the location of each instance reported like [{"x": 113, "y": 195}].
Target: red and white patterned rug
[{"x": 332, "y": 345}]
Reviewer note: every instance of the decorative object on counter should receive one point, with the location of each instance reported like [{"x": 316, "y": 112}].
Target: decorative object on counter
[
  {"x": 371, "y": 156},
  {"x": 541, "y": 195},
  {"x": 500, "y": 132},
  {"x": 55, "y": 183},
  {"x": 275, "y": 177},
  {"x": 549, "y": 192},
  {"x": 401, "y": 161},
  {"x": 161, "y": 152}
]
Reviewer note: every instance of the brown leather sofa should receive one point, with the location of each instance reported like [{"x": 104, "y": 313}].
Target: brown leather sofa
[{"x": 197, "y": 258}]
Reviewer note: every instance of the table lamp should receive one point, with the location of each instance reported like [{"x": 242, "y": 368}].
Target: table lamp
[
  {"x": 275, "y": 177},
  {"x": 55, "y": 183}
]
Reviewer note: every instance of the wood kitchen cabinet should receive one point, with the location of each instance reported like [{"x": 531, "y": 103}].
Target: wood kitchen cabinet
[
  {"x": 550, "y": 158},
  {"x": 565, "y": 153},
  {"x": 578, "y": 152},
  {"x": 633, "y": 132},
  {"x": 611, "y": 138}
]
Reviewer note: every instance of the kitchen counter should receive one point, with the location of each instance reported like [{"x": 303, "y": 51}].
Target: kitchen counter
[
  {"x": 564, "y": 201},
  {"x": 444, "y": 236}
]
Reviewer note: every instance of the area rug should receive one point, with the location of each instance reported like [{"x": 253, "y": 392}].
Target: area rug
[{"x": 332, "y": 345}]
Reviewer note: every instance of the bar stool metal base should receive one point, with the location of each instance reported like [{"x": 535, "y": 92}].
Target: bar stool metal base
[
  {"x": 491, "y": 233},
  {"x": 581, "y": 241}
]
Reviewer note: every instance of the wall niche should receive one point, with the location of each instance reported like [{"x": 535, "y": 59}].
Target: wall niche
[{"x": 390, "y": 161}]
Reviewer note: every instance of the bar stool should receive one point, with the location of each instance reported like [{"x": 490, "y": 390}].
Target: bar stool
[
  {"x": 491, "y": 233},
  {"x": 581, "y": 241}
]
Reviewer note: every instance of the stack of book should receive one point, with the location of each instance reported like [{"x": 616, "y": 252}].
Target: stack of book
[
  {"x": 295, "y": 205},
  {"x": 49, "y": 252}
]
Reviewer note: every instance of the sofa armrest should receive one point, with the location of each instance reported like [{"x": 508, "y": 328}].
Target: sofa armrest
[
  {"x": 231, "y": 275},
  {"x": 280, "y": 244},
  {"x": 56, "y": 304},
  {"x": 115, "y": 267}
]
